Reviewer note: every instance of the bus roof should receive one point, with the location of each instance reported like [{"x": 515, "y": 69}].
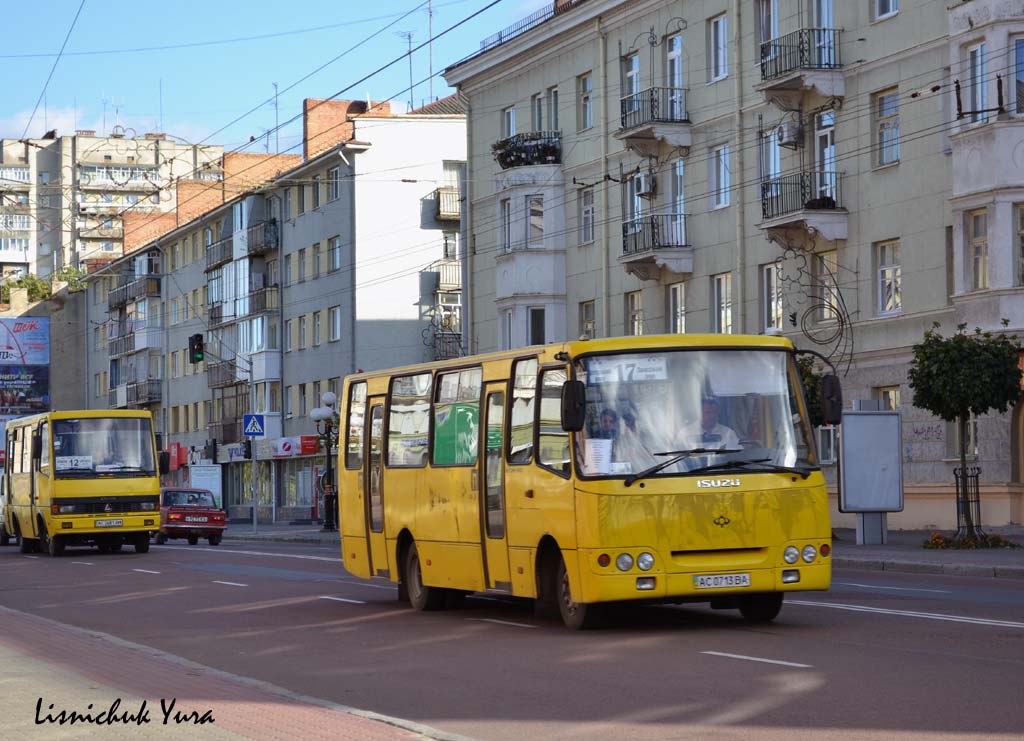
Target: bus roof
[{"x": 81, "y": 414}]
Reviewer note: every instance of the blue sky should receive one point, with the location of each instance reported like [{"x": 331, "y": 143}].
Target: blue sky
[{"x": 100, "y": 82}]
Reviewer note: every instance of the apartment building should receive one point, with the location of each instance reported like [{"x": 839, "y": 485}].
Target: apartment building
[
  {"x": 347, "y": 259},
  {"x": 844, "y": 173},
  {"x": 62, "y": 198}
]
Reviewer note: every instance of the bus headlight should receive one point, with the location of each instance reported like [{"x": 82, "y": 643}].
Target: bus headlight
[
  {"x": 791, "y": 554},
  {"x": 148, "y": 506},
  {"x": 645, "y": 561},
  {"x": 624, "y": 562},
  {"x": 810, "y": 553},
  {"x": 66, "y": 509}
]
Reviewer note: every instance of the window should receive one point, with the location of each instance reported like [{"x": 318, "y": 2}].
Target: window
[
  {"x": 175, "y": 256},
  {"x": 771, "y": 157},
  {"x": 886, "y": 8},
  {"x": 506, "y": 329},
  {"x": 718, "y": 48},
  {"x": 676, "y": 308},
  {"x": 631, "y": 75},
  {"x": 584, "y": 101},
  {"x": 553, "y": 108},
  {"x": 450, "y": 245},
  {"x": 552, "y": 440},
  {"x": 334, "y": 261},
  {"x": 300, "y": 193},
  {"x": 287, "y": 203},
  {"x": 316, "y": 192},
  {"x": 508, "y": 122},
  {"x": 537, "y": 112},
  {"x": 288, "y": 335},
  {"x": 889, "y": 396},
  {"x": 456, "y": 406},
  {"x": 535, "y": 221},
  {"x": 768, "y": 25},
  {"x": 953, "y": 438},
  {"x": 334, "y": 184},
  {"x": 826, "y": 266},
  {"x": 1018, "y": 73},
  {"x": 174, "y": 364},
  {"x": 634, "y": 313},
  {"x": 721, "y": 297},
  {"x": 586, "y": 215},
  {"x": 720, "y": 176},
  {"x": 316, "y": 328},
  {"x": 536, "y": 325},
  {"x": 288, "y": 403},
  {"x": 978, "y": 90},
  {"x": 334, "y": 317},
  {"x": 409, "y": 423},
  {"x": 356, "y": 424},
  {"x": 977, "y": 234},
  {"x": 890, "y": 298},
  {"x": 300, "y": 260},
  {"x": 1019, "y": 215},
  {"x": 302, "y": 332},
  {"x": 506, "y": 225},
  {"x": 887, "y": 107},
  {"x": 315, "y": 272},
  {"x": 302, "y": 400},
  {"x": 587, "y": 325},
  {"x": 524, "y": 395},
  {"x": 771, "y": 297},
  {"x": 674, "y": 76},
  {"x": 287, "y": 270}
]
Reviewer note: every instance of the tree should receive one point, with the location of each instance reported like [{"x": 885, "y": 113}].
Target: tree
[
  {"x": 72, "y": 276},
  {"x": 955, "y": 377},
  {"x": 38, "y": 288}
]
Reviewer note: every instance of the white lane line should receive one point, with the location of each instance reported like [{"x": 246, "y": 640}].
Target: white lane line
[
  {"x": 208, "y": 551},
  {"x": 342, "y": 599},
  {"x": 502, "y": 622},
  {"x": 755, "y": 658},
  {"x": 84, "y": 563},
  {"x": 910, "y": 613},
  {"x": 33, "y": 556},
  {"x": 368, "y": 584},
  {"x": 230, "y": 583},
  {"x": 146, "y": 571},
  {"x": 899, "y": 589}
]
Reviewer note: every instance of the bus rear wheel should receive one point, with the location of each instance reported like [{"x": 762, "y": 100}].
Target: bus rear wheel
[
  {"x": 761, "y": 608},
  {"x": 421, "y": 597},
  {"x": 575, "y": 615}
]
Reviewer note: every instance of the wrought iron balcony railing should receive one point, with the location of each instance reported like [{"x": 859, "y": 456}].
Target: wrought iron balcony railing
[
  {"x": 652, "y": 232},
  {"x": 531, "y": 148},
  {"x": 263, "y": 237},
  {"x": 813, "y": 190},
  {"x": 807, "y": 48},
  {"x": 654, "y": 105},
  {"x": 531, "y": 21}
]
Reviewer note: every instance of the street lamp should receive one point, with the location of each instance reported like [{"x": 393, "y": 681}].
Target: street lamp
[{"x": 326, "y": 420}]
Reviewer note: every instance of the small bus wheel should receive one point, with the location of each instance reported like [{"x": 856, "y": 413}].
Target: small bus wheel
[
  {"x": 575, "y": 615},
  {"x": 421, "y": 597},
  {"x": 761, "y": 608},
  {"x": 161, "y": 538},
  {"x": 141, "y": 543},
  {"x": 55, "y": 545},
  {"x": 5, "y": 537}
]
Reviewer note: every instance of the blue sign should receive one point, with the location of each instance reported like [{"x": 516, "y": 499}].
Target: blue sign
[{"x": 253, "y": 426}]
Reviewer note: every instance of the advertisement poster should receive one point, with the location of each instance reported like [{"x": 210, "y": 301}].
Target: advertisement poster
[{"x": 24, "y": 369}]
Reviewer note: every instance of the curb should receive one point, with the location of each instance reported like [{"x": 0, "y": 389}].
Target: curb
[{"x": 919, "y": 567}]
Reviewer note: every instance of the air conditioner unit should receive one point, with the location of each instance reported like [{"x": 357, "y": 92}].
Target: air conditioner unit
[
  {"x": 788, "y": 133},
  {"x": 645, "y": 184}
]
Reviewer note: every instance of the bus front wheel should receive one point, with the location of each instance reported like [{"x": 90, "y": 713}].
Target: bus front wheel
[
  {"x": 55, "y": 545},
  {"x": 761, "y": 608},
  {"x": 142, "y": 543},
  {"x": 575, "y": 615},
  {"x": 421, "y": 597}
]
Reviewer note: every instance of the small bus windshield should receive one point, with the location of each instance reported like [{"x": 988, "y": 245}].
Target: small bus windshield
[
  {"x": 708, "y": 408},
  {"x": 115, "y": 445}
]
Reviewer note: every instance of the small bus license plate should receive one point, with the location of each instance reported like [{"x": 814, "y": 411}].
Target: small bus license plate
[
  {"x": 195, "y": 519},
  {"x": 721, "y": 581},
  {"x": 109, "y": 523}
]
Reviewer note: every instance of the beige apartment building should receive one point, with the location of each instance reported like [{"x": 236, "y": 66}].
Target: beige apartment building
[
  {"x": 62, "y": 198},
  {"x": 845, "y": 173}
]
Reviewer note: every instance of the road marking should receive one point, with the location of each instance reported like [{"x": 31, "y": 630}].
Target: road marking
[
  {"x": 146, "y": 571},
  {"x": 84, "y": 563},
  {"x": 502, "y": 622},
  {"x": 342, "y": 599},
  {"x": 755, "y": 658},
  {"x": 910, "y": 613},
  {"x": 32, "y": 556},
  {"x": 230, "y": 583},
  {"x": 207, "y": 551},
  {"x": 900, "y": 589},
  {"x": 367, "y": 584}
]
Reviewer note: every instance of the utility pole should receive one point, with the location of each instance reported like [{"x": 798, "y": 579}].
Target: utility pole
[
  {"x": 277, "y": 126},
  {"x": 407, "y": 35},
  {"x": 430, "y": 45}
]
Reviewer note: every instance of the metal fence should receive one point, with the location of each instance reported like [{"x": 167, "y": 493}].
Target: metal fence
[
  {"x": 655, "y": 104},
  {"x": 808, "y": 48},
  {"x": 968, "y": 502},
  {"x": 525, "y": 24},
  {"x": 654, "y": 231},
  {"x": 530, "y": 148},
  {"x": 810, "y": 190}
]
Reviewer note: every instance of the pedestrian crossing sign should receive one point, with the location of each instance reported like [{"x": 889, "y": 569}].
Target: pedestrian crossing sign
[{"x": 252, "y": 425}]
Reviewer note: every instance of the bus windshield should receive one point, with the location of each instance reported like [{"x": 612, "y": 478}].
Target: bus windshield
[
  {"x": 107, "y": 445},
  {"x": 675, "y": 412}
]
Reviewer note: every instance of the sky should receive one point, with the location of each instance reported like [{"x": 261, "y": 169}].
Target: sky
[{"x": 111, "y": 75}]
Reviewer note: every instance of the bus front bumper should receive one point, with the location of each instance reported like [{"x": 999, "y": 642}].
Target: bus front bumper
[{"x": 109, "y": 524}]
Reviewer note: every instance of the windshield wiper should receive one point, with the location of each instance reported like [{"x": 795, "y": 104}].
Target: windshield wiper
[
  {"x": 677, "y": 455},
  {"x": 75, "y": 469},
  {"x": 121, "y": 467},
  {"x": 763, "y": 463}
]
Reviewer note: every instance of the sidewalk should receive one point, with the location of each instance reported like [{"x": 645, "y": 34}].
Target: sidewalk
[
  {"x": 902, "y": 552},
  {"x": 49, "y": 668}
]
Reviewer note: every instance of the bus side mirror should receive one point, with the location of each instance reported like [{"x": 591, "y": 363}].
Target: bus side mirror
[
  {"x": 831, "y": 400},
  {"x": 37, "y": 447},
  {"x": 574, "y": 405},
  {"x": 165, "y": 462}
]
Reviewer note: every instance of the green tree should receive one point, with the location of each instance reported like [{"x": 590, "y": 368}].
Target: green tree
[
  {"x": 38, "y": 288},
  {"x": 72, "y": 276},
  {"x": 812, "y": 389},
  {"x": 955, "y": 377}
]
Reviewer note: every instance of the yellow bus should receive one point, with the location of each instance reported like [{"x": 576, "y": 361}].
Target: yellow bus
[
  {"x": 677, "y": 468},
  {"x": 82, "y": 478}
]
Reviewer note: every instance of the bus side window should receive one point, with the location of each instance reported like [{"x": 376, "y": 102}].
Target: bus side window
[
  {"x": 44, "y": 451},
  {"x": 552, "y": 441},
  {"x": 524, "y": 394},
  {"x": 356, "y": 423}
]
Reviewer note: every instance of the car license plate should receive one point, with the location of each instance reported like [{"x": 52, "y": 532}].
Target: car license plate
[
  {"x": 109, "y": 523},
  {"x": 721, "y": 581},
  {"x": 195, "y": 519}
]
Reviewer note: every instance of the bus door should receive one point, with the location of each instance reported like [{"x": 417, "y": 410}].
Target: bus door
[
  {"x": 492, "y": 505},
  {"x": 373, "y": 493}
]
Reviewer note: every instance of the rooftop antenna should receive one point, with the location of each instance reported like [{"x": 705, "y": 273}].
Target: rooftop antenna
[
  {"x": 161, "y": 104},
  {"x": 430, "y": 44},
  {"x": 407, "y": 35},
  {"x": 277, "y": 126}
]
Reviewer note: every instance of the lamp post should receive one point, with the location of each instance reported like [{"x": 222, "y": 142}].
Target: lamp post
[{"x": 326, "y": 420}]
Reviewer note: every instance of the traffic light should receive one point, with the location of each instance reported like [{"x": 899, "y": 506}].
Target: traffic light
[
  {"x": 247, "y": 449},
  {"x": 195, "y": 349},
  {"x": 210, "y": 450}
]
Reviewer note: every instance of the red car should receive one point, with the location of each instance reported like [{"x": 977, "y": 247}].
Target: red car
[{"x": 190, "y": 513}]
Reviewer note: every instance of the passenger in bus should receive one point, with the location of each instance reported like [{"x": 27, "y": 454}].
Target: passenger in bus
[
  {"x": 630, "y": 446},
  {"x": 708, "y": 433},
  {"x": 609, "y": 425}
]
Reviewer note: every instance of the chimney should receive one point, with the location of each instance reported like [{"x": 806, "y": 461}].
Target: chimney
[{"x": 86, "y": 132}]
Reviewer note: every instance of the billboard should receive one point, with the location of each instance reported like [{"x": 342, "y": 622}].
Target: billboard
[{"x": 24, "y": 369}]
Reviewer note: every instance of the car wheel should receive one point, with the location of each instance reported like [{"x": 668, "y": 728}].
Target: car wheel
[
  {"x": 421, "y": 597},
  {"x": 193, "y": 539},
  {"x": 161, "y": 538},
  {"x": 214, "y": 539},
  {"x": 761, "y": 608},
  {"x": 142, "y": 543}
]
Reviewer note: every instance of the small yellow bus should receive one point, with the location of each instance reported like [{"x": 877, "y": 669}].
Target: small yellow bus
[
  {"x": 82, "y": 478},
  {"x": 677, "y": 468}
]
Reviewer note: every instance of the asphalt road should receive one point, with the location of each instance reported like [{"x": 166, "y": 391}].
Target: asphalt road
[{"x": 880, "y": 655}]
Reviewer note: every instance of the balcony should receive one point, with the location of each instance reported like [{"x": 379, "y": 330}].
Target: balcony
[
  {"x": 447, "y": 345},
  {"x": 144, "y": 392},
  {"x": 654, "y": 116},
  {"x": 262, "y": 237},
  {"x": 15, "y": 177},
  {"x": 219, "y": 253},
  {"x": 449, "y": 206},
  {"x": 121, "y": 345},
  {"x": 804, "y": 202},
  {"x": 15, "y": 222},
  {"x": 257, "y": 302},
  {"x": 532, "y": 148},
  {"x": 804, "y": 60},
  {"x": 99, "y": 208},
  {"x": 653, "y": 242},
  {"x": 137, "y": 288},
  {"x": 227, "y": 430},
  {"x": 101, "y": 232},
  {"x": 224, "y": 373},
  {"x": 449, "y": 272},
  {"x": 528, "y": 23}
]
